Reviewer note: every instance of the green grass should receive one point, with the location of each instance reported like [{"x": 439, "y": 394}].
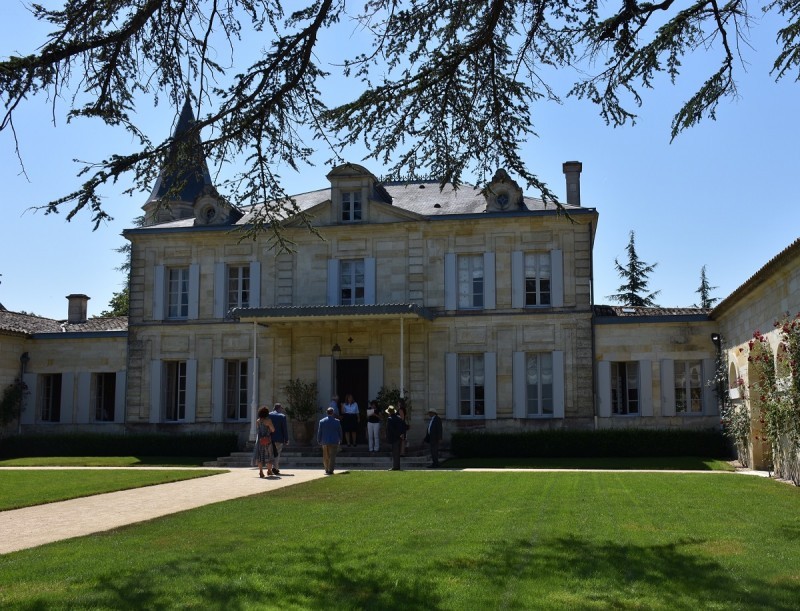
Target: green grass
[
  {"x": 442, "y": 540},
  {"x": 688, "y": 463},
  {"x": 24, "y": 488},
  {"x": 105, "y": 461}
]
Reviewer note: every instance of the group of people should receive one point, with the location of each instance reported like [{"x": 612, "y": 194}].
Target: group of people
[
  {"x": 330, "y": 434},
  {"x": 336, "y": 428}
]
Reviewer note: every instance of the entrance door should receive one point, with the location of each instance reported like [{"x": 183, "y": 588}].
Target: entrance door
[{"x": 352, "y": 377}]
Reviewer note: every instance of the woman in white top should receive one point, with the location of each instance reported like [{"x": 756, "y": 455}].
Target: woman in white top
[{"x": 350, "y": 420}]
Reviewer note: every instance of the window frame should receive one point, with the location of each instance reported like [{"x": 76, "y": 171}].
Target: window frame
[
  {"x": 540, "y": 399},
  {"x": 352, "y": 210},
  {"x": 349, "y": 270},
  {"x": 238, "y": 296},
  {"x": 175, "y": 391},
  {"x": 475, "y": 399},
  {"x": 693, "y": 392},
  {"x": 470, "y": 291},
  {"x": 621, "y": 405},
  {"x": 51, "y": 385},
  {"x": 104, "y": 395},
  {"x": 240, "y": 388},
  {"x": 534, "y": 274},
  {"x": 178, "y": 288}
]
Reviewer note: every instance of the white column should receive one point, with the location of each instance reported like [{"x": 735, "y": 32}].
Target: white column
[
  {"x": 402, "y": 362},
  {"x": 254, "y": 400}
]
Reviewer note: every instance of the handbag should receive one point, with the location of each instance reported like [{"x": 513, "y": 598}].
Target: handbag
[{"x": 264, "y": 441}]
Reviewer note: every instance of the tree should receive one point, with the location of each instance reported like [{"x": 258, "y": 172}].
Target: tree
[
  {"x": 633, "y": 292},
  {"x": 445, "y": 88},
  {"x": 706, "y": 301}
]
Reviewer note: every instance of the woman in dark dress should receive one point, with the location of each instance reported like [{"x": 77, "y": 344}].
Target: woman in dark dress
[{"x": 264, "y": 430}]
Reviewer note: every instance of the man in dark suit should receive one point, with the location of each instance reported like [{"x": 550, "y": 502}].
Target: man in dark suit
[
  {"x": 434, "y": 436},
  {"x": 280, "y": 437},
  {"x": 395, "y": 429}
]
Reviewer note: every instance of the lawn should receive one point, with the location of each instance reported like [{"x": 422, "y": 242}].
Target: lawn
[
  {"x": 105, "y": 461},
  {"x": 442, "y": 540},
  {"x": 23, "y": 487},
  {"x": 688, "y": 463}
]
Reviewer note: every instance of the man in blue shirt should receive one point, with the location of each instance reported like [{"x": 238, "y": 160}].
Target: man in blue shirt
[
  {"x": 280, "y": 437},
  {"x": 329, "y": 436}
]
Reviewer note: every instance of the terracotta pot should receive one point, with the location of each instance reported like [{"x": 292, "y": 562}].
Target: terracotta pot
[{"x": 302, "y": 432}]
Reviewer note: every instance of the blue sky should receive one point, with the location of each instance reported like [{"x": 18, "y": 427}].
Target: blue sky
[{"x": 723, "y": 194}]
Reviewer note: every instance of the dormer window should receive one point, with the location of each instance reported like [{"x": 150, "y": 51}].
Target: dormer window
[{"x": 351, "y": 207}]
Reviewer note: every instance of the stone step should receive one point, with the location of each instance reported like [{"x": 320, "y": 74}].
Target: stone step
[{"x": 348, "y": 458}]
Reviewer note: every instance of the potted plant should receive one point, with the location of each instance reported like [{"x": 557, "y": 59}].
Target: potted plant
[{"x": 301, "y": 407}]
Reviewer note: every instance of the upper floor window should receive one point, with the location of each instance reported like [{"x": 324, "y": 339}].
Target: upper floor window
[
  {"x": 105, "y": 385},
  {"x": 688, "y": 387},
  {"x": 537, "y": 279},
  {"x": 539, "y": 384},
  {"x": 351, "y": 206},
  {"x": 174, "y": 391},
  {"x": 625, "y": 388},
  {"x": 351, "y": 282},
  {"x": 51, "y": 398},
  {"x": 178, "y": 292},
  {"x": 471, "y": 385},
  {"x": 238, "y": 286},
  {"x": 470, "y": 281},
  {"x": 236, "y": 390}
]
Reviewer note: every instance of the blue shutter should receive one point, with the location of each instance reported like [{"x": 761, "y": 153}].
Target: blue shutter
[
  {"x": 120, "y": 393},
  {"x": 490, "y": 385},
  {"x": 194, "y": 291},
  {"x": 517, "y": 279},
  {"x": 217, "y": 390},
  {"x": 220, "y": 292},
  {"x": 645, "y": 388},
  {"x": 557, "y": 278},
  {"x": 667, "y": 387},
  {"x": 450, "y": 274},
  {"x": 451, "y": 384},
  {"x": 82, "y": 413},
  {"x": 558, "y": 384},
  {"x": 255, "y": 284},
  {"x": 604, "y": 389},
  {"x": 159, "y": 287},
  {"x": 489, "y": 275},
  {"x": 518, "y": 385},
  {"x": 155, "y": 391},
  {"x": 710, "y": 405},
  {"x": 369, "y": 281},
  {"x": 191, "y": 390}
]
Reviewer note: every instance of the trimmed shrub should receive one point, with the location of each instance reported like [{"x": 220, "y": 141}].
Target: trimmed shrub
[
  {"x": 135, "y": 444},
  {"x": 590, "y": 444}
]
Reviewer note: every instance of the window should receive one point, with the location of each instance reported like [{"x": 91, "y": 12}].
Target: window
[
  {"x": 470, "y": 281},
  {"x": 351, "y": 282},
  {"x": 238, "y": 286},
  {"x": 236, "y": 390},
  {"x": 175, "y": 391},
  {"x": 624, "y": 388},
  {"x": 351, "y": 207},
  {"x": 178, "y": 293},
  {"x": 51, "y": 398},
  {"x": 471, "y": 385},
  {"x": 105, "y": 386},
  {"x": 539, "y": 384},
  {"x": 537, "y": 279},
  {"x": 688, "y": 387}
]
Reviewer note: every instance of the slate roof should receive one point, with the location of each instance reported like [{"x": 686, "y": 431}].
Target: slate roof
[
  {"x": 614, "y": 313},
  {"x": 28, "y": 324}
]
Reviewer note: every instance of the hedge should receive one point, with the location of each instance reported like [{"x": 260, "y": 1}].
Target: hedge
[
  {"x": 591, "y": 444},
  {"x": 134, "y": 444}
]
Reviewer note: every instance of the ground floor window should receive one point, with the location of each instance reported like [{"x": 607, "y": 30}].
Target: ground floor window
[
  {"x": 625, "y": 388},
  {"x": 175, "y": 391},
  {"x": 51, "y": 398},
  {"x": 236, "y": 390},
  {"x": 688, "y": 387},
  {"x": 471, "y": 385},
  {"x": 539, "y": 384},
  {"x": 105, "y": 391}
]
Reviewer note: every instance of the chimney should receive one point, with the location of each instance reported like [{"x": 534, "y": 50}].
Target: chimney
[
  {"x": 77, "y": 308},
  {"x": 572, "y": 170}
]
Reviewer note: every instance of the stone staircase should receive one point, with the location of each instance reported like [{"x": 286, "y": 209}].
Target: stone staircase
[{"x": 358, "y": 458}]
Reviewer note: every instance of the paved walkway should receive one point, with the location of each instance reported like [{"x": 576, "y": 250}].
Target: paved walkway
[{"x": 32, "y": 526}]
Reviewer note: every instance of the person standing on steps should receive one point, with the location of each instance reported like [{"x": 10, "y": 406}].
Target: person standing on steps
[
  {"x": 280, "y": 438},
  {"x": 395, "y": 428},
  {"x": 403, "y": 413},
  {"x": 350, "y": 420},
  {"x": 433, "y": 437},
  {"x": 374, "y": 427},
  {"x": 329, "y": 436}
]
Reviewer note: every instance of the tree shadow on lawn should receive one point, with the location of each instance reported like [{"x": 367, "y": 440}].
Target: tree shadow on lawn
[{"x": 584, "y": 573}]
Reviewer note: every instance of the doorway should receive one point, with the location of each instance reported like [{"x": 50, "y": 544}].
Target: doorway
[{"x": 352, "y": 377}]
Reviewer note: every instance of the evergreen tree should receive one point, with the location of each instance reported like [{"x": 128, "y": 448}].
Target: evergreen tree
[
  {"x": 706, "y": 301},
  {"x": 633, "y": 292},
  {"x": 435, "y": 88}
]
